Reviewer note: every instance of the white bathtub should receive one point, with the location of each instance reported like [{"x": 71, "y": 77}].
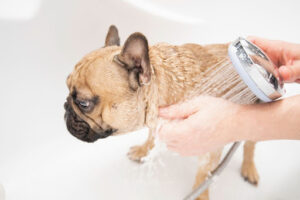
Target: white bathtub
[{"x": 40, "y": 42}]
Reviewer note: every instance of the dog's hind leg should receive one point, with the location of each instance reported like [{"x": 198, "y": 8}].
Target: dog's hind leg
[
  {"x": 207, "y": 163},
  {"x": 136, "y": 153},
  {"x": 248, "y": 170}
]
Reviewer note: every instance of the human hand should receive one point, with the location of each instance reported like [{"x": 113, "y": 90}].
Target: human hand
[
  {"x": 285, "y": 55},
  {"x": 200, "y": 125}
]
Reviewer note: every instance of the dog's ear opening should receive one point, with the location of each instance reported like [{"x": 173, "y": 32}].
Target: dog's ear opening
[
  {"x": 135, "y": 57},
  {"x": 112, "y": 37}
]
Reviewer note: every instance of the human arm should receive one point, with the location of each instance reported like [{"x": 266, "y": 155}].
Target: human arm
[{"x": 207, "y": 123}]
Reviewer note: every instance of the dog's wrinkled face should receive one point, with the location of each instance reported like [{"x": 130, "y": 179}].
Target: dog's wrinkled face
[{"x": 104, "y": 89}]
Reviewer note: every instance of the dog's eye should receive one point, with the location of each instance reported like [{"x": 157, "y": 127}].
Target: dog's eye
[{"x": 84, "y": 104}]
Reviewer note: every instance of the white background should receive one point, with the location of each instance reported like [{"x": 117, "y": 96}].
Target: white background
[{"x": 41, "y": 41}]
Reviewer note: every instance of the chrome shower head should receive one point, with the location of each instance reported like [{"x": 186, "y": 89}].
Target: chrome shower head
[{"x": 256, "y": 70}]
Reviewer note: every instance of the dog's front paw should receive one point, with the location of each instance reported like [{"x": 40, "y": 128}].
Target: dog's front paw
[
  {"x": 136, "y": 153},
  {"x": 249, "y": 173}
]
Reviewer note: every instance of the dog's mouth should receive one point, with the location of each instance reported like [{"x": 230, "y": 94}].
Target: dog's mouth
[{"x": 80, "y": 129}]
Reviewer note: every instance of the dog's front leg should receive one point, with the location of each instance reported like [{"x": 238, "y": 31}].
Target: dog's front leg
[
  {"x": 136, "y": 153},
  {"x": 207, "y": 163},
  {"x": 249, "y": 171}
]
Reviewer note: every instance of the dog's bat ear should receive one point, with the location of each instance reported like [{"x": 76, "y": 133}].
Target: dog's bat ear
[
  {"x": 112, "y": 37},
  {"x": 135, "y": 57}
]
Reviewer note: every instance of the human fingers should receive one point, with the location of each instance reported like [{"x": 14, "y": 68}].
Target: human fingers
[
  {"x": 181, "y": 110},
  {"x": 261, "y": 42},
  {"x": 171, "y": 131},
  {"x": 180, "y": 142},
  {"x": 290, "y": 73},
  {"x": 272, "y": 48}
]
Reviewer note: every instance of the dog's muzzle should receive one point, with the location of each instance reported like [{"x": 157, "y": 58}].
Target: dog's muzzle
[{"x": 80, "y": 129}]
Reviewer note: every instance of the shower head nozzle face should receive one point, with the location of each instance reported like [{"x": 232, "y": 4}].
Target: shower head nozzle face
[{"x": 256, "y": 69}]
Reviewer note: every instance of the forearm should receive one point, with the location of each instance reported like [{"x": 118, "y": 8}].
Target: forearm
[{"x": 270, "y": 121}]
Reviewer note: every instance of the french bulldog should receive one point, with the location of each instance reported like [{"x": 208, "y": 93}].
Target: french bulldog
[{"x": 118, "y": 89}]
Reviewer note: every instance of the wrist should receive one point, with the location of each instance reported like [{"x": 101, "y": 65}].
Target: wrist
[
  {"x": 233, "y": 125},
  {"x": 244, "y": 123},
  {"x": 266, "y": 121},
  {"x": 258, "y": 122}
]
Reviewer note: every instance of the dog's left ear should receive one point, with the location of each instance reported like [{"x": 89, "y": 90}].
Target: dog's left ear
[
  {"x": 112, "y": 37},
  {"x": 135, "y": 57}
]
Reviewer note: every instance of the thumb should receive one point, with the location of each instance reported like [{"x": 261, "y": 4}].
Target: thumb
[
  {"x": 181, "y": 110},
  {"x": 290, "y": 73}
]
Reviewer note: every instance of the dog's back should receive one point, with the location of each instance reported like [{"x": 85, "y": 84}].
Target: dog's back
[{"x": 191, "y": 69}]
